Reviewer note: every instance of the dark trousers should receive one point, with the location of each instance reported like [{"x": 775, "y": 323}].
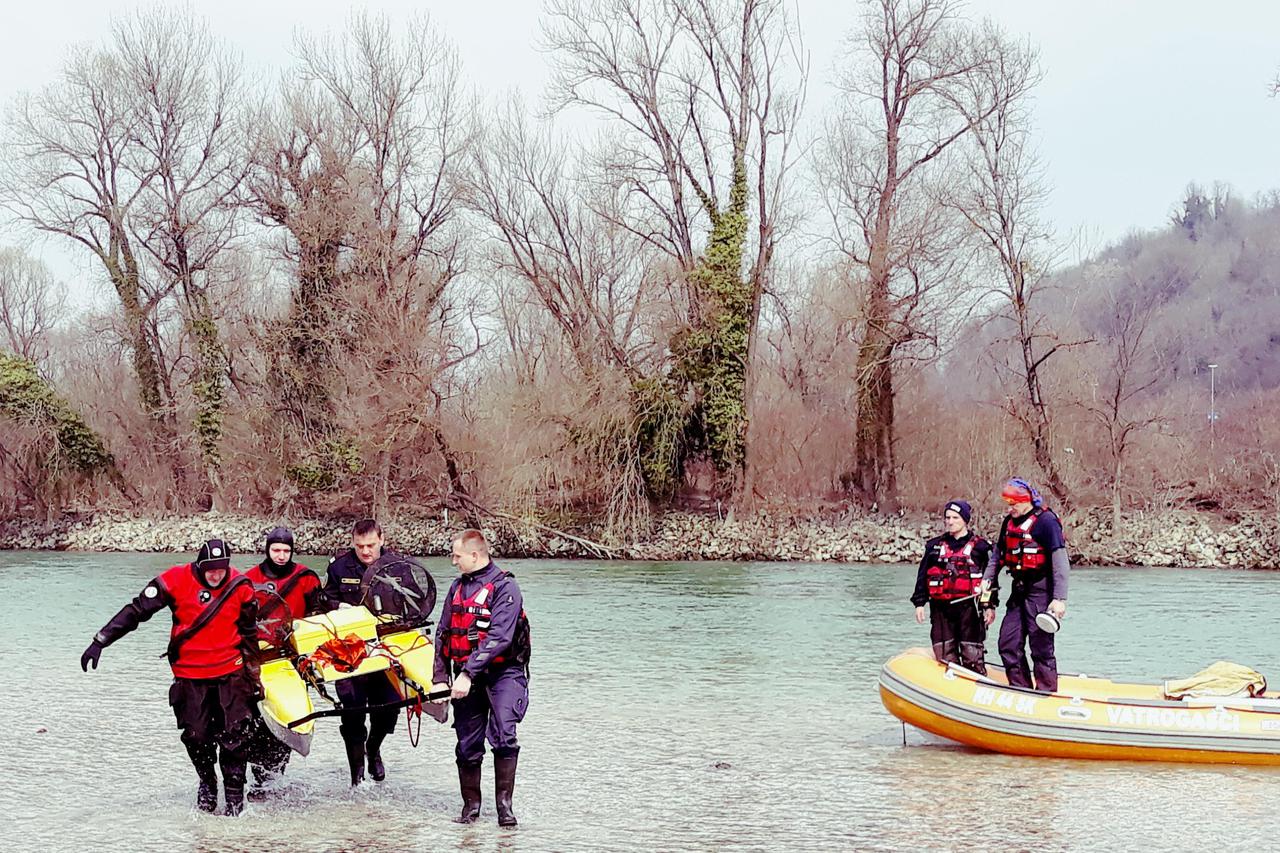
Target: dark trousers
[
  {"x": 496, "y": 703},
  {"x": 216, "y": 716},
  {"x": 958, "y": 633},
  {"x": 1019, "y": 630},
  {"x": 359, "y": 693},
  {"x": 267, "y": 754}
]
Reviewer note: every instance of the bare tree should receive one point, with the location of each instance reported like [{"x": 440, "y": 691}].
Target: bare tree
[
  {"x": 360, "y": 166},
  {"x": 1002, "y": 200},
  {"x": 911, "y": 93},
  {"x": 71, "y": 171},
  {"x": 401, "y": 95},
  {"x": 31, "y": 302},
  {"x": 187, "y": 88},
  {"x": 1129, "y": 377},
  {"x": 699, "y": 93},
  {"x": 301, "y": 182},
  {"x": 594, "y": 279}
]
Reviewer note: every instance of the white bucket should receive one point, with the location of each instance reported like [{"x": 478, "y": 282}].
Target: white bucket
[{"x": 1048, "y": 623}]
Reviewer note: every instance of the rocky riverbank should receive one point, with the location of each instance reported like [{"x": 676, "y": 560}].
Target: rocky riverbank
[{"x": 1167, "y": 539}]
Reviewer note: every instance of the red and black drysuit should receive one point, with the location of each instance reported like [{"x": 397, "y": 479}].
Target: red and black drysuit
[
  {"x": 283, "y": 593},
  {"x": 215, "y": 687},
  {"x": 948, "y": 581}
]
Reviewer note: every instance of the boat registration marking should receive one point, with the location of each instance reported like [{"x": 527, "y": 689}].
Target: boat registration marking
[{"x": 1000, "y": 699}]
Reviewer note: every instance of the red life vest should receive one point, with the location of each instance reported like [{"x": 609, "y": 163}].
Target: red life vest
[
  {"x": 954, "y": 574},
  {"x": 213, "y": 649},
  {"x": 281, "y": 600},
  {"x": 1021, "y": 553},
  {"x": 469, "y": 621}
]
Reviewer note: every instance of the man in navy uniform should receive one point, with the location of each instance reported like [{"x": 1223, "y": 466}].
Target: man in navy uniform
[
  {"x": 387, "y": 583},
  {"x": 482, "y": 647}
]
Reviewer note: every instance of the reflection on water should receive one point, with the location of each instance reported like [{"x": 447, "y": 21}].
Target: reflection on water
[{"x": 675, "y": 706}]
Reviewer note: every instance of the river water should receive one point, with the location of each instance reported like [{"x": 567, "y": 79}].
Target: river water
[{"x": 674, "y": 706}]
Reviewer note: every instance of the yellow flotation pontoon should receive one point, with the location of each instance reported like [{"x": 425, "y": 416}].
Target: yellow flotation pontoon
[
  {"x": 1087, "y": 718},
  {"x": 405, "y": 654}
]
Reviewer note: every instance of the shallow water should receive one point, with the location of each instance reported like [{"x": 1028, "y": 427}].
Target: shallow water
[{"x": 674, "y": 706}]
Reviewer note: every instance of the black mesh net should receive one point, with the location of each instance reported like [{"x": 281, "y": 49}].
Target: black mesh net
[{"x": 401, "y": 588}]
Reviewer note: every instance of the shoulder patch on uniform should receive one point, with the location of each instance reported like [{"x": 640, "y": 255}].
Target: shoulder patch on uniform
[{"x": 151, "y": 591}]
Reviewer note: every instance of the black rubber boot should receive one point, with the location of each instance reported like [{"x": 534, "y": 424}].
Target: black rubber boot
[
  {"x": 377, "y": 770},
  {"x": 381, "y": 724},
  {"x": 203, "y": 758},
  {"x": 504, "y": 785},
  {"x": 469, "y": 784},
  {"x": 355, "y": 760},
  {"x": 207, "y": 793},
  {"x": 263, "y": 778},
  {"x": 355, "y": 753},
  {"x": 235, "y": 799},
  {"x": 233, "y": 778}
]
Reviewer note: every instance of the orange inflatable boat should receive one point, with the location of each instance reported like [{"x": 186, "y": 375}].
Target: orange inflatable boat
[{"x": 1088, "y": 717}]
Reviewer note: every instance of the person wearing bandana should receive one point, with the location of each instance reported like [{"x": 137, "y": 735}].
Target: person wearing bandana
[{"x": 1032, "y": 548}]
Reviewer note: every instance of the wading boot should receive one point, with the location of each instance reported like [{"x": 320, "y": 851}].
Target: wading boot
[
  {"x": 233, "y": 773},
  {"x": 355, "y": 760},
  {"x": 203, "y": 759},
  {"x": 504, "y": 784},
  {"x": 469, "y": 783},
  {"x": 373, "y": 748},
  {"x": 207, "y": 793},
  {"x": 264, "y": 778},
  {"x": 235, "y": 799}
]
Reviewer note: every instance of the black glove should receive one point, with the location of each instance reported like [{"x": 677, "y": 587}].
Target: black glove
[
  {"x": 91, "y": 655},
  {"x": 253, "y": 681}
]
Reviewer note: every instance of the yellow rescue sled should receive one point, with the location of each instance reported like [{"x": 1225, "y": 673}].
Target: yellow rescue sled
[{"x": 405, "y": 654}]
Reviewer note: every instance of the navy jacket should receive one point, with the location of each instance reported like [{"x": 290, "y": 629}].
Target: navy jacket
[
  {"x": 393, "y": 589},
  {"x": 1047, "y": 532},
  {"x": 505, "y": 605}
]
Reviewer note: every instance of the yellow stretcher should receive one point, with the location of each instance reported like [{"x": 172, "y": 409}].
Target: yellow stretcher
[{"x": 406, "y": 655}]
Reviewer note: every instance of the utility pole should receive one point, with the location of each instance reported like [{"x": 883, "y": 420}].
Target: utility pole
[{"x": 1213, "y": 411}]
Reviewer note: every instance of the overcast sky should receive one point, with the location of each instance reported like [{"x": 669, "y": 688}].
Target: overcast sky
[{"x": 1139, "y": 96}]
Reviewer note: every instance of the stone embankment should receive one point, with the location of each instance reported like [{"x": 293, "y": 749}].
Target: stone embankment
[{"x": 1166, "y": 539}]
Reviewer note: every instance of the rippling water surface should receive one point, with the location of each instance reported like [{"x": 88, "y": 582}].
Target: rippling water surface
[{"x": 675, "y": 706}]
